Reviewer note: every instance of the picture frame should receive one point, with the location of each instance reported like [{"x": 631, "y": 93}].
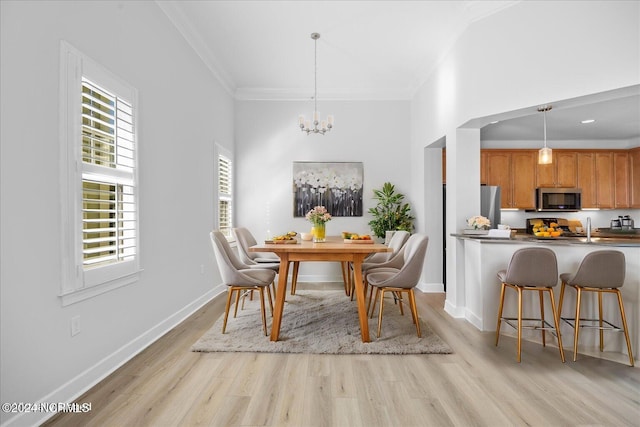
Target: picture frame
[{"x": 338, "y": 186}]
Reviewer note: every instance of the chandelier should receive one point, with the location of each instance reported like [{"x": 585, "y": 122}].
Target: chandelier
[
  {"x": 325, "y": 125},
  {"x": 545, "y": 153}
]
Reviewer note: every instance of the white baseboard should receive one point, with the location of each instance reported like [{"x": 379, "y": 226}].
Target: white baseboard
[
  {"x": 473, "y": 319},
  {"x": 431, "y": 288},
  {"x": 453, "y": 311},
  {"x": 75, "y": 387}
]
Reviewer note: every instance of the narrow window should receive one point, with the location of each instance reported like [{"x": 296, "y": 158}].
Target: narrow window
[
  {"x": 99, "y": 165},
  {"x": 224, "y": 167}
]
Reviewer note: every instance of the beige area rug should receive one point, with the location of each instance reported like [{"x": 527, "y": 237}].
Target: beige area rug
[{"x": 320, "y": 322}]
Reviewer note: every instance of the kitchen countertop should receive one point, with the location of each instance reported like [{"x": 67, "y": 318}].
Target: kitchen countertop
[{"x": 599, "y": 238}]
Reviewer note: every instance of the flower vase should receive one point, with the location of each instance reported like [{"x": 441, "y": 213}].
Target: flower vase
[{"x": 319, "y": 232}]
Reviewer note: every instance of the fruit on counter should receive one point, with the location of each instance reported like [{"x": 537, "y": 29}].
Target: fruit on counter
[{"x": 346, "y": 234}]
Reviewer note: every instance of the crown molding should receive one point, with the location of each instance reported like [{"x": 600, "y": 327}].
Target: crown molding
[
  {"x": 261, "y": 94},
  {"x": 184, "y": 27}
]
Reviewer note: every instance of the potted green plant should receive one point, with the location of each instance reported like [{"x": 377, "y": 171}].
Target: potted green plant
[{"x": 391, "y": 213}]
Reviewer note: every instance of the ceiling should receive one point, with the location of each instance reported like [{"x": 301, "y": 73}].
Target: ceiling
[
  {"x": 616, "y": 114},
  {"x": 368, "y": 50}
]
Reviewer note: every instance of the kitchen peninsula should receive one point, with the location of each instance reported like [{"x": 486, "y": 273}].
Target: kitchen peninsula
[{"x": 484, "y": 257}]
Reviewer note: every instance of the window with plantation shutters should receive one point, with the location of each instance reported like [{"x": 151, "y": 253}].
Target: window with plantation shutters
[
  {"x": 224, "y": 172},
  {"x": 108, "y": 193},
  {"x": 100, "y": 215}
]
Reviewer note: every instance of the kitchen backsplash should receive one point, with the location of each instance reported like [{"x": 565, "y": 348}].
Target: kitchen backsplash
[{"x": 599, "y": 219}]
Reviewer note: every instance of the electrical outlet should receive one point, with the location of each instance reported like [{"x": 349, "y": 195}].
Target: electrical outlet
[{"x": 75, "y": 325}]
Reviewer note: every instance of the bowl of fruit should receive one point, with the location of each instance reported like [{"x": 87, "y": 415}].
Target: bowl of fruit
[{"x": 550, "y": 231}]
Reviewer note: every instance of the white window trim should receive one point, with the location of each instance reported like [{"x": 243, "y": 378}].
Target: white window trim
[
  {"x": 219, "y": 150},
  {"x": 76, "y": 285}
]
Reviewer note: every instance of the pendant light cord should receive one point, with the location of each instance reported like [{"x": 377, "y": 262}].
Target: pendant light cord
[{"x": 544, "y": 115}]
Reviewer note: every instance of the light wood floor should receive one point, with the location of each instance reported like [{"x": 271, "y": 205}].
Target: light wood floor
[{"x": 478, "y": 385}]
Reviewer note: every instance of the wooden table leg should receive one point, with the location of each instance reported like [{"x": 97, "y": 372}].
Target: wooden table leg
[
  {"x": 294, "y": 278},
  {"x": 359, "y": 288},
  {"x": 281, "y": 292}
]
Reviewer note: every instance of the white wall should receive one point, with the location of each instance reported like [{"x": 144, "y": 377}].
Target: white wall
[
  {"x": 527, "y": 55},
  {"x": 268, "y": 141},
  {"x": 182, "y": 111}
]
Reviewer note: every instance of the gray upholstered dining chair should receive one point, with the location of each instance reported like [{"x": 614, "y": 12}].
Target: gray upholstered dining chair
[
  {"x": 245, "y": 240},
  {"x": 530, "y": 269},
  {"x": 396, "y": 242},
  {"x": 402, "y": 280},
  {"x": 238, "y": 277},
  {"x": 600, "y": 272},
  {"x": 380, "y": 259}
]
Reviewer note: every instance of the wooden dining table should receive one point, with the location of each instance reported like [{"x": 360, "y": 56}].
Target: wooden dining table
[{"x": 333, "y": 249}]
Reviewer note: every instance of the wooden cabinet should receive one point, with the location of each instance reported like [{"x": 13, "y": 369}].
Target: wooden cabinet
[
  {"x": 499, "y": 173},
  {"x": 483, "y": 167},
  {"x": 608, "y": 179},
  {"x": 586, "y": 175},
  {"x": 561, "y": 173},
  {"x": 621, "y": 180},
  {"x": 515, "y": 172},
  {"x": 604, "y": 180},
  {"x": 596, "y": 178},
  {"x": 634, "y": 178}
]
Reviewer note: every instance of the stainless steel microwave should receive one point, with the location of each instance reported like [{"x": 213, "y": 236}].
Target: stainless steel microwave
[{"x": 558, "y": 199}]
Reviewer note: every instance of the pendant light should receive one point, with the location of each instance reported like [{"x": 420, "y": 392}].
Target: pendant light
[
  {"x": 545, "y": 154},
  {"x": 325, "y": 125}
]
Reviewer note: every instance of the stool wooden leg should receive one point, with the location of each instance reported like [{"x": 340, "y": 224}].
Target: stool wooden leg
[
  {"x": 624, "y": 325},
  {"x": 577, "y": 324},
  {"x": 519, "y": 322},
  {"x": 600, "y": 321},
  {"x": 544, "y": 341},
  {"x": 500, "y": 313},
  {"x": 556, "y": 320}
]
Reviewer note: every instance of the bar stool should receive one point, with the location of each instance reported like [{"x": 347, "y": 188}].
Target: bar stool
[
  {"x": 530, "y": 269},
  {"x": 600, "y": 272}
]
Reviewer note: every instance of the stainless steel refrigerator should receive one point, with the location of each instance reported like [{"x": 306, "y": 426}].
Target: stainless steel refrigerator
[{"x": 490, "y": 204}]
